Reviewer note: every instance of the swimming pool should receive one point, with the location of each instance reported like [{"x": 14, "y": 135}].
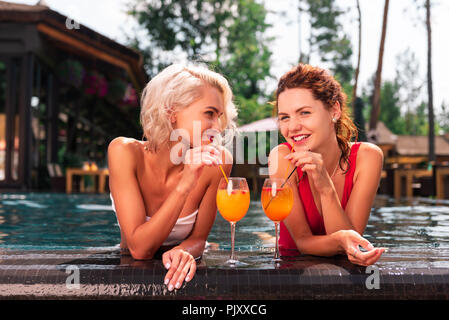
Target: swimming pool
[{"x": 46, "y": 221}]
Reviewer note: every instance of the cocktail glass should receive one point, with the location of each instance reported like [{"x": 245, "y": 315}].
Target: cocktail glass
[
  {"x": 277, "y": 202},
  {"x": 233, "y": 200}
]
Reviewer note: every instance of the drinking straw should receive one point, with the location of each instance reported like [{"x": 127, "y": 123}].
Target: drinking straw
[
  {"x": 224, "y": 174},
  {"x": 283, "y": 186},
  {"x": 221, "y": 168},
  {"x": 288, "y": 177},
  {"x": 294, "y": 168}
]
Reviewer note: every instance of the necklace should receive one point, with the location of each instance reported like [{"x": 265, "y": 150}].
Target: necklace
[{"x": 335, "y": 170}]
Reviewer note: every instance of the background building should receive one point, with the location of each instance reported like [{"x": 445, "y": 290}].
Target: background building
[{"x": 65, "y": 92}]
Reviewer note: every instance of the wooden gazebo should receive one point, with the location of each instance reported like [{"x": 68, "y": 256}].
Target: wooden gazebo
[{"x": 65, "y": 92}]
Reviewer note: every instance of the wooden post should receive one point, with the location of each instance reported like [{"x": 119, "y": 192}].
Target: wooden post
[
  {"x": 441, "y": 172},
  {"x": 408, "y": 184},
  {"x": 397, "y": 184}
]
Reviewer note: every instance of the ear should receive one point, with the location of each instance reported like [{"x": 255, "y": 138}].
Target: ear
[
  {"x": 336, "y": 112},
  {"x": 173, "y": 118}
]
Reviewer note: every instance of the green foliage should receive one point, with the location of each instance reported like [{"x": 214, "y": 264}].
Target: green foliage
[
  {"x": 251, "y": 110},
  {"x": 390, "y": 111},
  {"x": 400, "y": 107},
  {"x": 412, "y": 121},
  {"x": 329, "y": 39},
  {"x": 443, "y": 118},
  {"x": 359, "y": 119},
  {"x": 229, "y": 35},
  {"x": 249, "y": 55}
]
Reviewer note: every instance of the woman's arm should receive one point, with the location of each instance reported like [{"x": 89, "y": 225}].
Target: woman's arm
[
  {"x": 143, "y": 237},
  {"x": 207, "y": 210},
  {"x": 296, "y": 223},
  {"x": 366, "y": 183},
  {"x": 183, "y": 266},
  {"x": 343, "y": 241},
  {"x": 355, "y": 217}
]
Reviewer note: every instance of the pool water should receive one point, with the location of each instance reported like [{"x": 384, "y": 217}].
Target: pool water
[{"x": 45, "y": 221}]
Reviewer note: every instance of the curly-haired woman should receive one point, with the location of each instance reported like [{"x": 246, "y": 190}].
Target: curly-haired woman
[{"x": 336, "y": 179}]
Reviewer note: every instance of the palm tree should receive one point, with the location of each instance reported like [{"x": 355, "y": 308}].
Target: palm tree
[{"x": 375, "y": 111}]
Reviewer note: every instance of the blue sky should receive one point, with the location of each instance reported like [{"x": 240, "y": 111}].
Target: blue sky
[{"x": 404, "y": 31}]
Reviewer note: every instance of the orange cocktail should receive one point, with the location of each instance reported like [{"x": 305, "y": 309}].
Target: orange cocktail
[
  {"x": 281, "y": 204},
  {"x": 233, "y": 203},
  {"x": 277, "y": 202},
  {"x": 233, "y": 206}
]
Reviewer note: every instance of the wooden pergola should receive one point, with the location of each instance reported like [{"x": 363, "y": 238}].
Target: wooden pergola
[{"x": 38, "y": 110}]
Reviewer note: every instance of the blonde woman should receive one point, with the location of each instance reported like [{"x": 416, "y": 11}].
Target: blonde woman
[{"x": 163, "y": 188}]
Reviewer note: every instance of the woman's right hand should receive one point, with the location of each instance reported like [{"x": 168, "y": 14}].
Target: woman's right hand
[
  {"x": 195, "y": 160},
  {"x": 181, "y": 266},
  {"x": 350, "y": 241}
]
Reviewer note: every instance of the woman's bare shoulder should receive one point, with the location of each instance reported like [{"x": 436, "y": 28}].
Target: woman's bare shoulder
[
  {"x": 280, "y": 150},
  {"x": 124, "y": 151},
  {"x": 124, "y": 144},
  {"x": 276, "y": 160},
  {"x": 369, "y": 151}
]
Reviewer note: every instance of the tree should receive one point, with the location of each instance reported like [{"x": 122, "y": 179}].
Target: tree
[
  {"x": 390, "y": 112},
  {"x": 359, "y": 119},
  {"x": 247, "y": 62},
  {"x": 328, "y": 37},
  {"x": 357, "y": 69},
  {"x": 228, "y": 35},
  {"x": 443, "y": 120},
  {"x": 409, "y": 85},
  {"x": 375, "y": 110},
  {"x": 431, "y": 116}
]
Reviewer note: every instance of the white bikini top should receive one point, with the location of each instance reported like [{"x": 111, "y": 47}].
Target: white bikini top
[{"x": 180, "y": 231}]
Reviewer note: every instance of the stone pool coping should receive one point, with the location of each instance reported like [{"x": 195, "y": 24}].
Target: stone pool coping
[{"x": 421, "y": 273}]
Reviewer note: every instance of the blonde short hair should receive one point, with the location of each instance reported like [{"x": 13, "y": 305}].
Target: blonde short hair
[{"x": 175, "y": 88}]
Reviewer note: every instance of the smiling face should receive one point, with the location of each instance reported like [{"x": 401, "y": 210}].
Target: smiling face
[
  {"x": 305, "y": 122},
  {"x": 200, "y": 121}
]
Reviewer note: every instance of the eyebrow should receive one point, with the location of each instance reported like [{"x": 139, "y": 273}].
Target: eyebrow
[{"x": 296, "y": 111}]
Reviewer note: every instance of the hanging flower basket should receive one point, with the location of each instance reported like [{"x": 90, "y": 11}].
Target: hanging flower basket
[{"x": 95, "y": 84}]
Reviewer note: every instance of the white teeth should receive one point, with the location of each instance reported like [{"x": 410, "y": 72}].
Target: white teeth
[{"x": 299, "y": 138}]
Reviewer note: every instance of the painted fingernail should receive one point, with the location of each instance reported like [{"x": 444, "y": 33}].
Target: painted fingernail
[
  {"x": 167, "y": 265},
  {"x": 178, "y": 285},
  {"x": 170, "y": 287},
  {"x": 187, "y": 278}
]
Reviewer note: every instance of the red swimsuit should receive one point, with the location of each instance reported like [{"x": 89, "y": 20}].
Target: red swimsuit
[{"x": 314, "y": 219}]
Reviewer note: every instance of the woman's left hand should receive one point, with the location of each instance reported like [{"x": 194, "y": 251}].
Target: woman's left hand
[
  {"x": 181, "y": 266},
  {"x": 313, "y": 164}
]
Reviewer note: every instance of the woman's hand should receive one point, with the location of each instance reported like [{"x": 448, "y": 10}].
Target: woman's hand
[
  {"x": 195, "y": 160},
  {"x": 313, "y": 164},
  {"x": 350, "y": 241},
  {"x": 181, "y": 267}
]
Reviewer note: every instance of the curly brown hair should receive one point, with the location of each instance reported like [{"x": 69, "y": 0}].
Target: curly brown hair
[{"x": 325, "y": 88}]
